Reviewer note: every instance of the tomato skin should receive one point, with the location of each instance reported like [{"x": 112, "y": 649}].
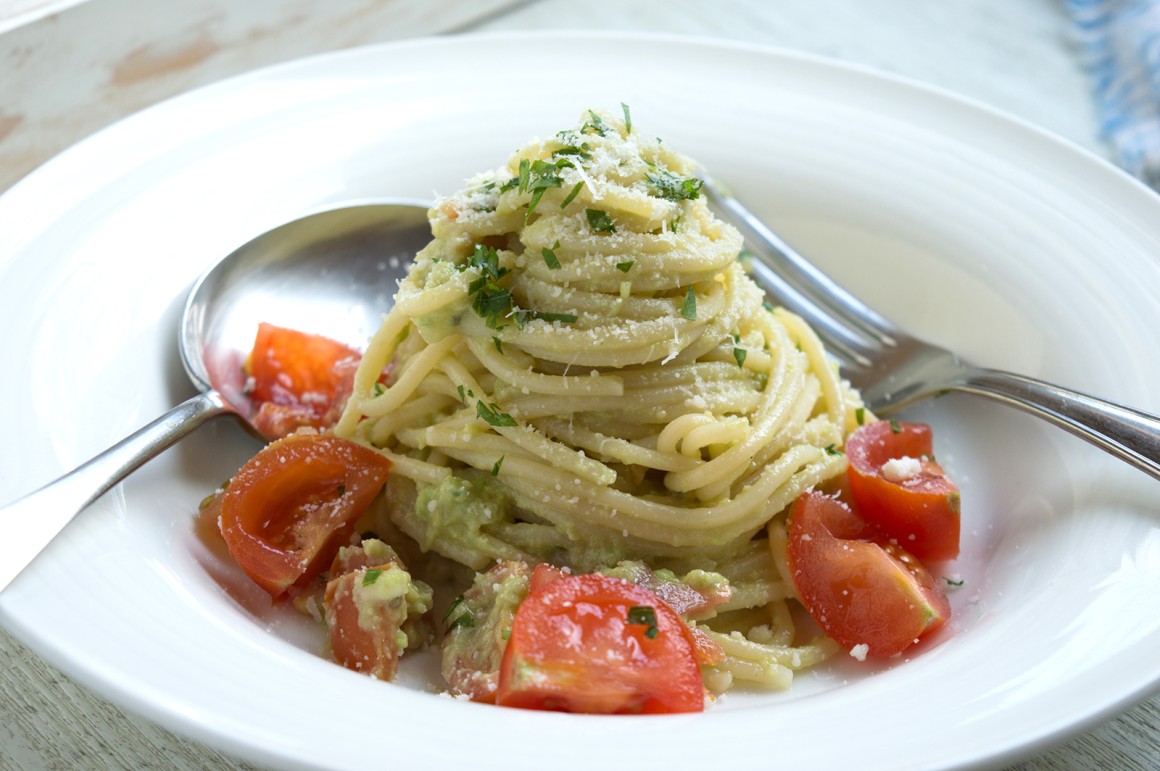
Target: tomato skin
[
  {"x": 298, "y": 379},
  {"x": 922, "y": 511},
  {"x": 371, "y": 651},
  {"x": 861, "y": 588},
  {"x": 287, "y": 511},
  {"x": 572, "y": 649}
]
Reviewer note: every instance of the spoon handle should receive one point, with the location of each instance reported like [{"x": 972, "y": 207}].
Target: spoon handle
[{"x": 28, "y": 524}]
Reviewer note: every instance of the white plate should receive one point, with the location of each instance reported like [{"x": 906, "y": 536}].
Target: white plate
[{"x": 982, "y": 233}]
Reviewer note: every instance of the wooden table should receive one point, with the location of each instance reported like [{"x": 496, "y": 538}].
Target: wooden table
[{"x": 1015, "y": 56}]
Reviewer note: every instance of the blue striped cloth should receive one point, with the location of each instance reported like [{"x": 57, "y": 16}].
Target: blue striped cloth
[{"x": 1119, "y": 42}]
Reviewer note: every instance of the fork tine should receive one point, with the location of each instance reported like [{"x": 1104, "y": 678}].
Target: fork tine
[
  {"x": 850, "y": 322},
  {"x": 847, "y": 345}
]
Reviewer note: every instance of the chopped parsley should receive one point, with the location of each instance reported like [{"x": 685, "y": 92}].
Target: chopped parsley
[
  {"x": 490, "y": 414},
  {"x": 595, "y": 126},
  {"x": 625, "y": 267},
  {"x": 895, "y": 427},
  {"x": 832, "y": 449},
  {"x": 495, "y": 469},
  {"x": 674, "y": 188},
  {"x": 572, "y": 194},
  {"x": 465, "y": 620},
  {"x": 378, "y": 389},
  {"x": 498, "y": 343},
  {"x": 491, "y": 300},
  {"x": 462, "y": 395},
  {"x": 538, "y": 176},
  {"x": 860, "y": 416},
  {"x": 739, "y": 355},
  {"x": 371, "y": 576},
  {"x": 451, "y": 608},
  {"x": 599, "y": 221},
  {"x": 644, "y": 615},
  {"x": 689, "y": 306},
  {"x": 550, "y": 258},
  {"x": 522, "y": 317},
  {"x": 486, "y": 259},
  {"x": 492, "y": 303},
  {"x": 572, "y": 144},
  {"x": 767, "y": 305},
  {"x": 627, "y": 118},
  {"x": 953, "y": 582}
]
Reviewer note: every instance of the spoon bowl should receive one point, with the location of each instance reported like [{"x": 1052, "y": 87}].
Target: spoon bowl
[{"x": 331, "y": 272}]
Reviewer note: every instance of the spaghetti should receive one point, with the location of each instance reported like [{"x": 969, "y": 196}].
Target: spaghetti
[{"x": 579, "y": 371}]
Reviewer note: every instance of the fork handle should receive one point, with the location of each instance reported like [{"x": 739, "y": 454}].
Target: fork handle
[{"x": 1130, "y": 434}]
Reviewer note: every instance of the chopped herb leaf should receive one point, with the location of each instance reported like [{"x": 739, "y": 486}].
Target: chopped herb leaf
[
  {"x": 510, "y": 184},
  {"x": 599, "y": 221},
  {"x": 894, "y": 427},
  {"x": 572, "y": 194},
  {"x": 522, "y": 317},
  {"x": 534, "y": 202},
  {"x": 860, "y": 416},
  {"x": 596, "y": 125},
  {"x": 689, "y": 306},
  {"x": 496, "y": 467},
  {"x": 644, "y": 615},
  {"x": 451, "y": 608},
  {"x": 550, "y": 257},
  {"x": 491, "y": 415},
  {"x": 625, "y": 267},
  {"x": 768, "y": 306},
  {"x": 486, "y": 259},
  {"x": 371, "y": 576},
  {"x": 462, "y": 397},
  {"x": 953, "y": 582},
  {"x": 627, "y": 118},
  {"x": 674, "y": 188},
  {"x": 466, "y": 621},
  {"x": 739, "y": 355},
  {"x": 379, "y": 389},
  {"x": 525, "y": 174},
  {"x": 498, "y": 343},
  {"x": 832, "y": 449},
  {"x": 492, "y": 303},
  {"x": 572, "y": 144}
]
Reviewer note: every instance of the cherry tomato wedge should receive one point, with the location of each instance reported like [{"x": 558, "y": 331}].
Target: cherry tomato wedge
[
  {"x": 286, "y": 512},
  {"x": 299, "y": 379},
  {"x": 862, "y": 589},
  {"x": 898, "y": 486},
  {"x": 596, "y": 644}
]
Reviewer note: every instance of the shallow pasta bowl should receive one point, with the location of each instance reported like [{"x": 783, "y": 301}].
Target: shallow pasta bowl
[{"x": 982, "y": 234}]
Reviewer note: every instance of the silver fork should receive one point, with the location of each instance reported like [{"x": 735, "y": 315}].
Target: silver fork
[{"x": 892, "y": 368}]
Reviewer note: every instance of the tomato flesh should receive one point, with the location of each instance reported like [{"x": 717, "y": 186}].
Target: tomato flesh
[
  {"x": 298, "y": 379},
  {"x": 287, "y": 511},
  {"x": 861, "y": 588},
  {"x": 576, "y": 646},
  {"x": 898, "y": 486}
]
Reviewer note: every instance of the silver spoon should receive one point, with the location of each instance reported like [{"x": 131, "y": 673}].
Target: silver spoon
[{"x": 331, "y": 272}]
